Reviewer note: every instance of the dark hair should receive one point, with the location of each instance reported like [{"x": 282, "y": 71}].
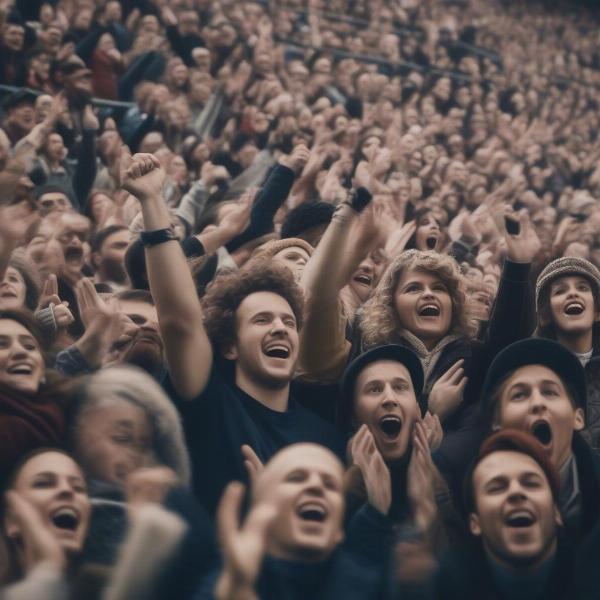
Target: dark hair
[
  {"x": 135, "y": 295},
  {"x": 511, "y": 440},
  {"x": 27, "y": 320},
  {"x": 102, "y": 234},
  {"x": 225, "y": 294}
]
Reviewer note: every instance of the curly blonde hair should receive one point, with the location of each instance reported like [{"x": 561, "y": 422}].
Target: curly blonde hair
[{"x": 380, "y": 323}]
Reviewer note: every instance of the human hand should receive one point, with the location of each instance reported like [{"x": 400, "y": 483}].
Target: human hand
[
  {"x": 238, "y": 218},
  {"x": 90, "y": 120},
  {"x": 253, "y": 464},
  {"x": 242, "y": 546},
  {"x": 420, "y": 481},
  {"x": 522, "y": 246},
  {"x": 36, "y": 539},
  {"x": 433, "y": 431},
  {"x": 149, "y": 486},
  {"x": 49, "y": 298},
  {"x": 447, "y": 392},
  {"x": 397, "y": 240},
  {"x": 376, "y": 475},
  {"x": 297, "y": 159},
  {"x": 141, "y": 174}
]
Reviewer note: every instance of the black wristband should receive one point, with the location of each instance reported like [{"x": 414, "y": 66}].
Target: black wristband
[
  {"x": 158, "y": 236},
  {"x": 360, "y": 199}
]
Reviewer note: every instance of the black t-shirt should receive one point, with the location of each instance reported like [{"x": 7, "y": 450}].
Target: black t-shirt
[{"x": 223, "y": 417}]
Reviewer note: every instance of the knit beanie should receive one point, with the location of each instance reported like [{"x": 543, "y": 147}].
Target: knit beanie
[
  {"x": 270, "y": 249},
  {"x": 561, "y": 267}
]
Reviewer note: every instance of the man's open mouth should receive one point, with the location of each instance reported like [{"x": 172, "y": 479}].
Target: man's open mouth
[
  {"x": 277, "y": 351},
  {"x": 65, "y": 518},
  {"x": 574, "y": 308},
  {"x": 542, "y": 431},
  {"x": 73, "y": 254},
  {"x": 390, "y": 425},
  {"x": 312, "y": 511},
  {"x": 429, "y": 310},
  {"x": 520, "y": 519},
  {"x": 431, "y": 242},
  {"x": 363, "y": 279}
]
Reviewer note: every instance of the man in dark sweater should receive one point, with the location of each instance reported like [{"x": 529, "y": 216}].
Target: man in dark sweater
[
  {"x": 537, "y": 385},
  {"x": 290, "y": 545},
  {"x": 511, "y": 496},
  {"x": 231, "y": 364}
]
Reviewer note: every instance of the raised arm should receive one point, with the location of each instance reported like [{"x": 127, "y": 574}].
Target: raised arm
[
  {"x": 188, "y": 349},
  {"x": 347, "y": 240}
]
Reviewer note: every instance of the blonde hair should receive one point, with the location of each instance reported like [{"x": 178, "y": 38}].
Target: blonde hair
[{"x": 380, "y": 323}]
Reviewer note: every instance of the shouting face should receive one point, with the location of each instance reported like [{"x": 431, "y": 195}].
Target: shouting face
[
  {"x": 384, "y": 400},
  {"x": 305, "y": 483},
  {"x": 515, "y": 516}
]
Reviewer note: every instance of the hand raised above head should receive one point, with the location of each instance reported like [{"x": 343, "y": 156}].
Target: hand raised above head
[{"x": 141, "y": 174}]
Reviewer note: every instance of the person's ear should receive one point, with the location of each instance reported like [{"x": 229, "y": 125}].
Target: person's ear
[
  {"x": 230, "y": 352},
  {"x": 557, "y": 516},
  {"x": 578, "y": 419},
  {"x": 11, "y": 527},
  {"x": 96, "y": 259},
  {"x": 474, "y": 525},
  {"x": 544, "y": 320}
]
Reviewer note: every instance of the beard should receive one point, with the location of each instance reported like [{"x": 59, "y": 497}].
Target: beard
[
  {"x": 145, "y": 352},
  {"x": 114, "y": 270}
]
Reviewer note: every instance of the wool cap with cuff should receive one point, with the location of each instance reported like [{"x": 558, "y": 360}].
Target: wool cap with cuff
[
  {"x": 563, "y": 267},
  {"x": 392, "y": 352},
  {"x": 273, "y": 247},
  {"x": 535, "y": 351}
]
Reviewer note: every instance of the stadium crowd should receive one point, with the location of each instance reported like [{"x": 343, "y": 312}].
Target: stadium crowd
[{"x": 299, "y": 300}]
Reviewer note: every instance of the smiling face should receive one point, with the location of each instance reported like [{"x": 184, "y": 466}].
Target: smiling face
[
  {"x": 423, "y": 306},
  {"x": 515, "y": 516},
  {"x": 12, "y": 290},
  {"x": 21, "y": 361},
  {"x": 384, "y": 400},
  {"x": 534, "y": 399},
  {"x": 294, "y": 258},
  {"x": 572, "y": 305},
  {"x": 114, "y": 440},
  {"x": 266, "y": 348},
  {"x": 53, "y": 484},
  {"x": 305, "y": 483},
  {"x": 428, "y": 235},
  {"x": 367, "y": 275}
]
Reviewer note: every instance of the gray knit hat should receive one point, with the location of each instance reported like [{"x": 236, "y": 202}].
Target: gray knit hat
[{"x": 567, "y": 265}]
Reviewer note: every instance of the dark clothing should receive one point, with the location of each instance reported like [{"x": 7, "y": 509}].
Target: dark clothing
[
  {"x": 510, "y": 322},
  {"x": 592, "y": 417},
  {"x": 356, "y": 570},
  {"x": 223, "y": 418},
  {"x": 588, "y": 469},
  {"x": 268, "y": 201},
  {"x": 467, "y": 574},
  {"x": 183, "y": 45},
  {"x": 27, "y": 423}
]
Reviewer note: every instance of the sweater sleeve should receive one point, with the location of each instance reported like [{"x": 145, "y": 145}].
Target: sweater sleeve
[
  {"x": 272, "y": 196},
  {"x": 43, "y": 582},
  {"x": 85, "y": 172}
]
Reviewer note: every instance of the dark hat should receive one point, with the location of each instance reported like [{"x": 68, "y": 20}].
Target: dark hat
[
  {"x": 21, "y": 96},
  {"x": 535, "y": 351},
  {"x": 393, "y": 352},
  {"x": 561, "y": 267}
]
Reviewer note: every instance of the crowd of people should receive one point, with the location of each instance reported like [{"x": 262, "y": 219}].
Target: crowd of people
[{"x": 299, "y": 300}]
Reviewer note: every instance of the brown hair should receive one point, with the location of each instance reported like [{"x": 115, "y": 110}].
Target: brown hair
[
  {"x": 380, "y": 323},
  {"x": 511, "y": 440},
  {"x": 228, "y": 290}
]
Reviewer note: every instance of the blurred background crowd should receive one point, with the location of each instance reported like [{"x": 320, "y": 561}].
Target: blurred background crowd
[{"x": 320, "y": 151}]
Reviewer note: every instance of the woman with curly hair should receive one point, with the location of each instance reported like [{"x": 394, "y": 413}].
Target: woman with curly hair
[{"x": 420, "y": 303}]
